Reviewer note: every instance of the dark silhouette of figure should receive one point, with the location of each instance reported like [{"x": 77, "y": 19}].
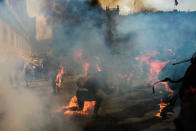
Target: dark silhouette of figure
[
  {"x": 87, "y": 91},
  {"x": 186, "y": 121}
]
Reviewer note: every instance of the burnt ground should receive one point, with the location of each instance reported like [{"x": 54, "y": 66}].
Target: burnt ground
[{"x": 132, "y": 110}]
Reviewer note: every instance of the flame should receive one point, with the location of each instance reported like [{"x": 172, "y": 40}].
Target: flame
[
  {"x": 59, "y": 76},
  {"x": 155, "y": 65},
  {"x": 87, "y": 109},
  {"x": 167, "y": 87},
  {"x": 162, "y": 106}
]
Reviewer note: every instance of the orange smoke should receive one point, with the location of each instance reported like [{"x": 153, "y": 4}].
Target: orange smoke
[{"x": 155, "y": 65}]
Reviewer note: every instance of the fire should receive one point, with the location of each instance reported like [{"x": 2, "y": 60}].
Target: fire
[
  {"x": 59, "y": 76},
  {"x": 87, "y": 109},
  {"x": 167, "y": 87},
  {"x": 71, "y": 108},
  {"x": 155, "y": 65},
  {"x": 162, "y": 106}
]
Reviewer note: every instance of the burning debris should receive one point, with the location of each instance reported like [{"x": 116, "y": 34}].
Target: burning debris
[
  {"x": 87, "y": 100},
  {"x": 162, "y": 106},
  {"x": 71, "y": 110}
]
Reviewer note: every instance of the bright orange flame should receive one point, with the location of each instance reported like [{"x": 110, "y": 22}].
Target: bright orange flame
[
  {"x": 162, "y": 106},
  {"x": 87, "y": 109},
  {"x": 167, "y": 87},
  {"x": 155, "y": 67}
]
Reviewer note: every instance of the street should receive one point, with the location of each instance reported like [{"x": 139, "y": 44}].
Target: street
[{"x": 133, "y": 110}]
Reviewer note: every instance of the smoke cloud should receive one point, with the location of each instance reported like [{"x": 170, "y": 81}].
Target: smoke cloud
[{"x": 82, "y": 27}]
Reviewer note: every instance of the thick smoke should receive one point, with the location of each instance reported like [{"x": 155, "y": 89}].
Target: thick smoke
[
  {"x": 82, "y": 26},
  {"x": 24, "y": 109}
]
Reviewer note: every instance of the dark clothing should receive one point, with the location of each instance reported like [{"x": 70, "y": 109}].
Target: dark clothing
[
  {"x": 92, "y": 85},
  {"x": 189, "y": 80},
  {"x": 186, "y": 120},
  {"x": 88, "y": 92},
  {"x": 83, "y": 96}
]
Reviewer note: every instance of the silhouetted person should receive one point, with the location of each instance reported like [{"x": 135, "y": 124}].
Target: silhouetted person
[
  {"x": 87, "y": 91},
  {"x": 186, "y": 120}
]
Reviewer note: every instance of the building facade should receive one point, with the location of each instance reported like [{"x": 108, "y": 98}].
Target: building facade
[{"x": 17, "y": 30}]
